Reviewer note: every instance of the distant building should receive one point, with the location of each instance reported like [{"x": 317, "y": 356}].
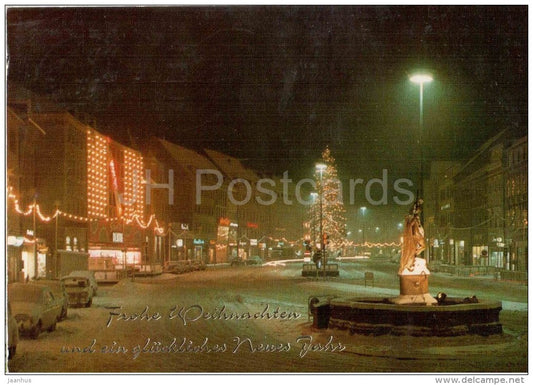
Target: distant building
[
  {"x": 23, "y": 136},
  {"x": 439, "y": 209},
  {"x": 479, "y": 207},
  {"x": 191, "y": 233},
  {"x": 516, "y": 204},
  {"x": 216, "y": 214}
]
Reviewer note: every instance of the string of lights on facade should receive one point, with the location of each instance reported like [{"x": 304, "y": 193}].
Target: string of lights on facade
[{"x": 47, "y": 218}]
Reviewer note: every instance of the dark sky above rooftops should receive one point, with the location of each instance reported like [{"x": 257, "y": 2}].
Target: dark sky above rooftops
[{"x": 273, "y": 85}]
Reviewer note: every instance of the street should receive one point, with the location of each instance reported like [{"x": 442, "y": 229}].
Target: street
[{"x": 255, "y": 319}]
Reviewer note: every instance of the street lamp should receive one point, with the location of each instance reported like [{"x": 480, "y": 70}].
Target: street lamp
[
  {"x": 363, "y": 211},
  {"x": 421, "y": 79},
  {"x": 314, "y": 195},
  {"x": 320, "y": 167}
]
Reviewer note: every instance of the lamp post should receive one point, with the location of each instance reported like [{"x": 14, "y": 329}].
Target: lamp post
[
  {"x": 35, "y": 258},
  {"x": 314, "y": 195},
  {"x": 320, "y": 167},
  {"x": 363, "y": 224},
  {"x": 56, "y": 273},
  {"x": 421, "y": 79}
]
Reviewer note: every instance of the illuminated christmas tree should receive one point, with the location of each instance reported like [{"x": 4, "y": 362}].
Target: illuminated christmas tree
[{"x": 329, "y": 195}]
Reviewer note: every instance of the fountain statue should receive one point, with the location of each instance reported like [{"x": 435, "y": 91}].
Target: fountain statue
[{"x": 413, "y": 272}]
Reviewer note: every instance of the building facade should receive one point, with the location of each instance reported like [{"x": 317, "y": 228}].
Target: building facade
[
  {"x": 516, "y": 205},
  {"x": 479, "y": 217}
]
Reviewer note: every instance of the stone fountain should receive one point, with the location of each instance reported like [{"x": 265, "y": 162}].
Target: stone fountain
[{"x": 414, "y": 311}]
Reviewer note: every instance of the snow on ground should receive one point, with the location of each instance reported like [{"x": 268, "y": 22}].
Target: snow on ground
[{"x": 238, "y": 345}]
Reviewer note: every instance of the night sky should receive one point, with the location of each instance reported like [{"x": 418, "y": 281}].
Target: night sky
[{"x": 274, "y": 85}]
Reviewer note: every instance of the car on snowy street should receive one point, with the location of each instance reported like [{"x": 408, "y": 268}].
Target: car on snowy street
[
  {"x": 34, "y": 307},
  {"x": 59, "y": 292},
  {"x": 254, "y": 260},
  {"x": 79, "y": 289},
  {"x": 236, "y": 261},
  {"x": 13, "y": 332},
  {"x": 90, "y": 276}
]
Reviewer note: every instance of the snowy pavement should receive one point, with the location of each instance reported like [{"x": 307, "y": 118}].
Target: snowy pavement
[{"x": 148, "y": 333}]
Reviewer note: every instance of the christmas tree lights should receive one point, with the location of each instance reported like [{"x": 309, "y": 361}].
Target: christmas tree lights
[{"x": 333, "y": 211}]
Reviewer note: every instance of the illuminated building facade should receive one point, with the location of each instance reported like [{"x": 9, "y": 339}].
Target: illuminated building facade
[
  {"x": 115, "y": 203},
  {"x": 71, "y": 190}
]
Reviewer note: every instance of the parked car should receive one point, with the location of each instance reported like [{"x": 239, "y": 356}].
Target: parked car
[
  {"x": 59, "y": 292},
  {"x": 236, "y": 261},
  {"x": 34, "y": 307},
  {"x": 254, "y": 260},
  {"x": 79, "y": 289},
  {"x": 185, "y": 266},
  {"x": 90, "y": 276},
  {"x": 13, "y": 333}
]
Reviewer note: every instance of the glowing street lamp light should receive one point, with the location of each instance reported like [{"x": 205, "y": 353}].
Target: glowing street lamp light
[{"x": 421, "y": 79}]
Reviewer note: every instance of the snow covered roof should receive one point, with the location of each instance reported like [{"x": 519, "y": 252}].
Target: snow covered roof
[
  {"x": 231, "y": 167},
  {"x": 188, "y": 159}
]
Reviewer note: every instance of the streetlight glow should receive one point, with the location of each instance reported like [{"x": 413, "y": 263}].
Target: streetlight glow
[
  {"x": 320, "y": 167},
  {"x": 421, "y": 78}
]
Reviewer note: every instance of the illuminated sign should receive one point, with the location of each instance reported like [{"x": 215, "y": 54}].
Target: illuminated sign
[
  {"x": 253, "y": 242},
  {"x": 179, "y": 242},
  {"x": 114, "y": 175},
  {"x": 224, "y": 222},
  {"x": 252, "y": 225},
  {"x": 118, "y": 238},
  {"x": 15, "y": 241},
  {"x": 185, "y": 226},
  {"x": 115, "y": 187},
  {"x": 198, "y": 241}
]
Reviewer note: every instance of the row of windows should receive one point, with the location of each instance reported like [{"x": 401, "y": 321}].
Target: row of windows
[
  {"x": 516, "y": 185},
  {"x": 517, "y": 216},
  {"x": 517, "y": 155}
]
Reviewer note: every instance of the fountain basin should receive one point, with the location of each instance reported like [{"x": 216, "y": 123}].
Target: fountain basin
[{"x": 378, "y": 316}]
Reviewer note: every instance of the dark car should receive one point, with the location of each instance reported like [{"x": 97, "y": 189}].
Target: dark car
[
  {"x": 254, "y": 260},
  {"x": 60, "y": 294},
  {"x": 34, "y": 308},
  {"x": 236, "y": 261}
]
